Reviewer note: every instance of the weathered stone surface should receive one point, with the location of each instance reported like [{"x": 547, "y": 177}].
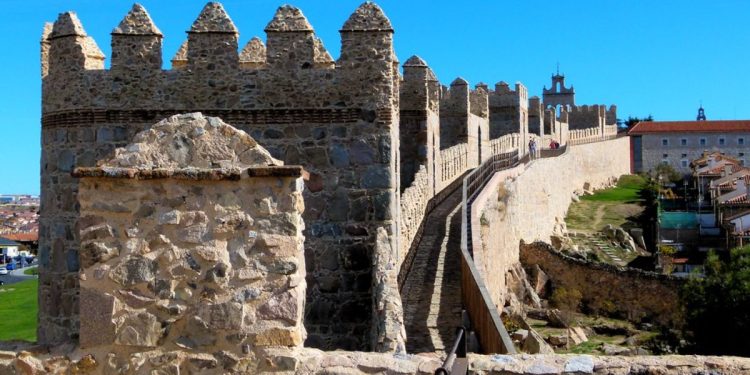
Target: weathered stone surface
[
  {"x": 368, "y": 17},
  {"x": 213, "y": 19},
  {"x": 577, "y": 335},
  {"x": 284, "y": 306},
  {"x": 134, "y": 271},
  {"x": 204, "y": 264},
  {"x": 225, "y": 316},
  {"x": 288, "y": 18},
  {"x": 67, "y": 24},
  {"x": 138, "y": 329},
  {"x": 535, "y": 344},
  {"x": 278, "y": 337},
  {"x": 190, "y": 140},
  {"x": 97, "y": 311},
  {"x": 137, "y": 22},
  {"x": 253, "y": 52}
]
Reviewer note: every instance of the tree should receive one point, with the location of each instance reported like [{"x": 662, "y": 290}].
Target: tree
[
  {"x": 667, "y": 172},
  {"x": 717, "y": 306},
  {"x": 634, "y": 120}
]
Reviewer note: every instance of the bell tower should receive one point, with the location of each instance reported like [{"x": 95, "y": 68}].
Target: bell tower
[
  {"x": 558, "y": 94},
  {"x": 701, "y": 114}
]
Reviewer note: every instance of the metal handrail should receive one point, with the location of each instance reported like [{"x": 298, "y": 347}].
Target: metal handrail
[{"x": 458, "y": 350}]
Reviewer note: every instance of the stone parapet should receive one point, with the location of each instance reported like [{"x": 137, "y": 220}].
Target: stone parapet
[
  {"x": 563, "y": 364},
  {"x": 190, "y": 257},
  {"x": 304, "y": 361}
]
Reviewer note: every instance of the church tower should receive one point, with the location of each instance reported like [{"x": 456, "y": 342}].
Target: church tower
[
  {"x": 558, "y": 94},
  {"x": 701, "y": 114}
]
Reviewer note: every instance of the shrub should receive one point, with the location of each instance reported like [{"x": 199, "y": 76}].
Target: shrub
[
  {"x": 567, "y": 300},
  {"x": 717, "y": 306}
]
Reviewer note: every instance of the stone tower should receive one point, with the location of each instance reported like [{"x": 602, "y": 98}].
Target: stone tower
[{"x": 337, "y": 118}]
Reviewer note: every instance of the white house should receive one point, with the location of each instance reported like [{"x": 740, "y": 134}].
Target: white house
[{"x": 8, "y": 248}]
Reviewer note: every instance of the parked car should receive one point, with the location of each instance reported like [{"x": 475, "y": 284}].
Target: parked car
[
  {"x": 10, "y": 266},
  {"x": 3, "y": 271}
]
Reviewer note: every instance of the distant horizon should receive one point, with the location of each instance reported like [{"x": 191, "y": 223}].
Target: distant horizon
[{"x": 662, "y": 59}]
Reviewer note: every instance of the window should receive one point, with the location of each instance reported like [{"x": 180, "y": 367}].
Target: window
[
  {"x": 683, "y": 142},
  {"x": 741, "y": 154},
  {"x": 683, "y": 156},
  {"x": 665, "y": 162},
  {"x": 703, "y": 141},
  {"x": 740, "y": 141},
  {"x": 684, "y": 163},
  {"x": 722, "y": 141},
  {"x": 664, "y": 156},
  {"x": 664, "y": 142}
]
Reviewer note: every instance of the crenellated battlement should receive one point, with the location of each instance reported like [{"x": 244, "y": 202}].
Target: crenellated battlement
[
  {"x": 504, "y": 96},
  {"x": 209, "y": 64},
  {"x": 591, "y": 116}
]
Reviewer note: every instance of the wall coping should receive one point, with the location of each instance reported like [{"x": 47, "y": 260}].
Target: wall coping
[{"x": 209, "y": 174}]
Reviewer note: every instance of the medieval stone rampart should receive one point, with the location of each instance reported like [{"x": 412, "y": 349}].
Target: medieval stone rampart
[
  {"x": 337, "y": 118},
  {"x": 593, "y": 116},
  {"x": 634, "y": 294},
  {"x": 509, "y": 109},
  {"x": 528, "y": 203}
]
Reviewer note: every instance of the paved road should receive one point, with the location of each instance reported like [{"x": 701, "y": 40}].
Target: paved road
[{"x": 16, "y": 276}]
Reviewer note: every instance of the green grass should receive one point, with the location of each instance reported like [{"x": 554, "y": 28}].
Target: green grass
[
  {"x": 18, "y": 311},
  {"x": 586, "y": 347},
  {"x": 31, "y": 271},
  {"x": 617, "y": 206},
  {"x": 627, "y": 190}
]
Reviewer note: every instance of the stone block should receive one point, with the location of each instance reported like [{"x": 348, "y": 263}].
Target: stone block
[
  {"x": 284, "y": 306},
  {"x": 376, "y": 177},
  {"x": 361, "y": 153},
  {"x": 134, "y": 271},
  {"x": 97, "y": 311},
  {"x": 95, "y": 252},
  {"x": 339, "y": 155},
  {"x": 226, "y": 316},
  {"x": 66, "y": 160},
  {"x": 138, "y": 329},
  {"x": 279, "y": 337}
]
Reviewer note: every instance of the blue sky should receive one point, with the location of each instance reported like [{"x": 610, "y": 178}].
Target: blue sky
[{"x": 649, "y": 57}]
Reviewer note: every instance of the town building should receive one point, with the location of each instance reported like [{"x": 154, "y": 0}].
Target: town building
[
  {"x": 8, "y": 248},
  {"x": 677, "y": 143}
]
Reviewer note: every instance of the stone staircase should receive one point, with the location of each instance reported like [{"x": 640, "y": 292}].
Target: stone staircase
[{"x": 431, "y": 294}]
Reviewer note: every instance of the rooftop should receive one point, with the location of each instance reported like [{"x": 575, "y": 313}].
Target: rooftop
[
  {"x": 6, "y": 242},
  {"x": 722, "y": 126}
]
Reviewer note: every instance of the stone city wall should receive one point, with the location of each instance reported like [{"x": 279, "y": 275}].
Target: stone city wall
[
  {"x": 529, "y": 206},
  {"x": 505, "y": 143},
  {"x": 337, "y": 118},
  {"x": 304, "y": 361},
  {"x": 508, "y": 109},
  {"x": 636, "y": 295},
  {"x": 414, "y": 201},
  {"x": 591, "y": 116},
  {"x": 455, "y": 161}
]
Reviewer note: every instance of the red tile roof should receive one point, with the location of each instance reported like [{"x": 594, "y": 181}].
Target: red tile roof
[
  {"x": 23, "y": 237},
  {"x": 722, "y": 126}
]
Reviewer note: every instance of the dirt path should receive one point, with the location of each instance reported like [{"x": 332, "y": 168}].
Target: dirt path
[{"x": 598, "y": 217}]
